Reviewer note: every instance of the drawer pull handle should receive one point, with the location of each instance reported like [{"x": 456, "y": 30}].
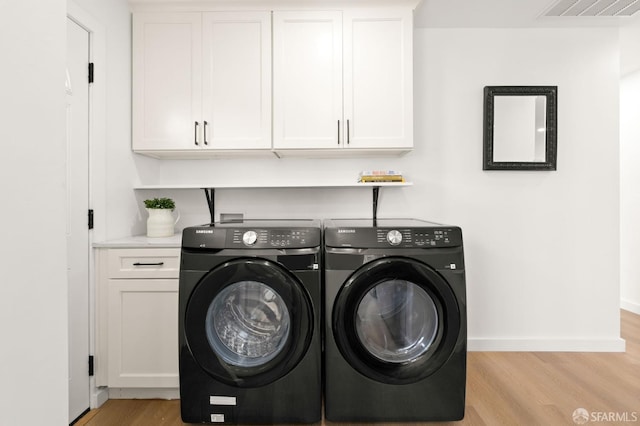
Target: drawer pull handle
[{"x": 148, "y": 264}]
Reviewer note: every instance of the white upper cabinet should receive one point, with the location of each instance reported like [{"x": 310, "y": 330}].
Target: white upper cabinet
[
  {"x": 237, "y": 80},
  {"x": 343, "y": 80},
  {"x": 378, "y": 79},
  {"x": 282, "y": 81},
  {"x": 167, "y": 80},
  {"x": 201, "y": 81},
  {"x": 307, "y": 98}
]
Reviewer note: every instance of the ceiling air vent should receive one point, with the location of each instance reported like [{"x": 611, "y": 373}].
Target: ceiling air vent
[{"x": 594, "y": 8}]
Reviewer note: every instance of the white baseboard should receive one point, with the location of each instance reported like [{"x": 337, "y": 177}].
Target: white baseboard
[
  {"x": 144, "y": 393},
  {"x": 99, "y": 397},
  {"x": 630, "y": 306},
  {"x": 546, "y": 345}
]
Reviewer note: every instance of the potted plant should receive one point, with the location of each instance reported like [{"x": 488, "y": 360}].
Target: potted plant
[{"x": 161, "y": 221}]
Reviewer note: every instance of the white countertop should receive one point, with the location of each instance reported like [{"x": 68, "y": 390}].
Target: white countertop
[{"x": 142, "y": 241}]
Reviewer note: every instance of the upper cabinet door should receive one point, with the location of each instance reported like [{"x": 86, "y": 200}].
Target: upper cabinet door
[
  {"x": 307, "y": 93},
  {"x": 378, "y": 75},
  {"x": 237, "y": 80},
  {"x": 307, "y": 80},
  {"x": 167, "y": 84}
]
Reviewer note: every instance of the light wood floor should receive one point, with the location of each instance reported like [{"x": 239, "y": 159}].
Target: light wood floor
[{"x": 503, "y": 388}]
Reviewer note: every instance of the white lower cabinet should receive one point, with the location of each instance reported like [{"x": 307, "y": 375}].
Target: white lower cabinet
[
  {"x": 137, "y": 325},
  {"x": 143, "y": 333}
]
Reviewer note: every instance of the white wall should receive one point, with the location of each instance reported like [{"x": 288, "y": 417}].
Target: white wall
[
  {"x": 33, "y": 289},
  {"x": 629, "y": 171},
  {"x": 542, "y": 248}
]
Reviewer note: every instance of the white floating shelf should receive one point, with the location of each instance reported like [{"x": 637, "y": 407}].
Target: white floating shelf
[
  {"x": 210, "y": 190},
  {"x": 285, "y": 185}
]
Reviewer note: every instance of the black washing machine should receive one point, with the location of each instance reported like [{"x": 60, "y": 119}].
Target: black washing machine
[
  {"x": 395, "y": 321},
  {"x": 250, "y": 322}
]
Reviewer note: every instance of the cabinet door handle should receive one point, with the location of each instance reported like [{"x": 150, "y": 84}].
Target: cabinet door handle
[
  {"x": 338, "y": 132},
  {"x": 205, "y": 133},
  {"x": 195, "y": 134},
  {"x": 348, "y": 132},
  {"x": 148, "y": 264}
]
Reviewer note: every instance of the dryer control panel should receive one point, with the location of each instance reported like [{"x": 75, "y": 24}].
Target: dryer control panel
[
  {"x": 383, "y": 237},
  {"x": 418, "y": 237}
]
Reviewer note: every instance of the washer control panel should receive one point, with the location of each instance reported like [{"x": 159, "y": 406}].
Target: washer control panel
[
  {"x": 256, "y": 234},
  {"x": 273, "y": 238}
]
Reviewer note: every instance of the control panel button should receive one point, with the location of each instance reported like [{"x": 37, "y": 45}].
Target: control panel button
[
  {"x": 249, "y": 238},
  {"x": 394, "y": 237}
]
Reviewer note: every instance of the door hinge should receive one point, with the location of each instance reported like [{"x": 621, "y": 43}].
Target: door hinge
[
  {"x": 90, "y": 218},
  {"x": 90, "y": 72},
  {"x": 90, "y": 365}
]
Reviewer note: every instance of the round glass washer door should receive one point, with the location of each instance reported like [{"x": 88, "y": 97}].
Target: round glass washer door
[
  {"x": 247, "y": 324},
  {"x": 396, "y": 321}
]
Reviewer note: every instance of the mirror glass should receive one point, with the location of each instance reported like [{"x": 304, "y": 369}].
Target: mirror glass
[{"x": 520, "y": 128}]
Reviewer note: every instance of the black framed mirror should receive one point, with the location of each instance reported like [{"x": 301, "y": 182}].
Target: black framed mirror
[{"x": 520, "y": 127}]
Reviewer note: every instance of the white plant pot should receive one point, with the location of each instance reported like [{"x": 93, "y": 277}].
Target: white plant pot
[{"x": 160, "y": 223}]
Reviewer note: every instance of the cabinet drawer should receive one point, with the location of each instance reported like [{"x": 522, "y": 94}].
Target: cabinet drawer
[{"x": 143, "y": 263}]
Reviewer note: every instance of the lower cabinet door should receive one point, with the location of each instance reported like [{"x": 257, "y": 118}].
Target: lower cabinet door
[{"x": 143, "y": 333}]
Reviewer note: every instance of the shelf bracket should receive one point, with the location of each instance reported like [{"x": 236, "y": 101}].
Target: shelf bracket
[
  {"x": 376, "y": 192},
  {"x": 210, "y": 193}
]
